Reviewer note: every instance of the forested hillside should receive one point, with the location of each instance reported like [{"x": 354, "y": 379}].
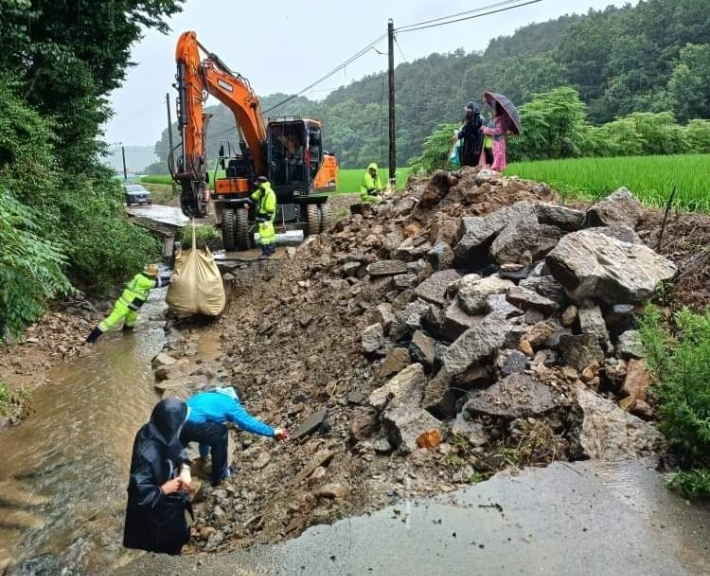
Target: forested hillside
[{"x": 653, "y": 57}]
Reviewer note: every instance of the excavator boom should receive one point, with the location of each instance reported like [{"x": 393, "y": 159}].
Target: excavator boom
[{"x": 200, "y": 73}]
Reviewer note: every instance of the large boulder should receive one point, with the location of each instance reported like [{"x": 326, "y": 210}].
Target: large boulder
[
  {"x": 433, "y": 289},
  {"x": 621, "y": 207},
  {"x": 373, "y": 340},
  {"x": 476, "y": 344},
  {"x": 386, "y": 268},
  {"x": 609, "y": 433},
  {"x": 455, "y": 322},
  {"x": 522, "y": 236},
  {"x": 590, "y": 264},
  {"x": 397, "y": 359},
  {"x": 440, "y": 257},
  {"x": 636, "y": 383},
  {"x": 580, "y": 351},
  {"x": 560, "y": 216},
  {"x": 526, "y": 299},
  {"x": 423, "y": 349},
  {"x": 473, "y": 291},
  {"x": 439, "y": 397},
  {"x": 410, "y": 428},
  {"x": 629, "y": 344},
  {"x": 620, "y": 232},
  {"x": 546, "y": 286},
  {"x": 476, "y": 234},
  {"x": 591, "y": 321},
  {"x": 404, "y": 389},
  {"x": 516, "y": 396},
  {"x": 473, "y": 431}
]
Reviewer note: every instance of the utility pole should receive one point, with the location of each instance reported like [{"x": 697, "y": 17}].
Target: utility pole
[
  {"x": 392, "y": 148},
  {"x": 171, "y": 163},
  {"x": 123, "y": 154}
]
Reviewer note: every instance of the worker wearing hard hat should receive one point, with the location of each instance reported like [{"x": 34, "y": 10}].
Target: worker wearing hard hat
[
  {"x": 209, "y": 411},
  {"x": 132, "y": 298},
  {"x": 371, "y": 187},
  {"x": 265, "y": 199}
]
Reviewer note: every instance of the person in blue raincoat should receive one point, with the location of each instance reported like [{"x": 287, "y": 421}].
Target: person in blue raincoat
[
  {"x": 157, "y": 501},
  {"x": 209, "y": 411}
]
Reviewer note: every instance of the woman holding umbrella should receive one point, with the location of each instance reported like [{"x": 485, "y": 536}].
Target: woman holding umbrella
[{"x": 506, "y": 119}]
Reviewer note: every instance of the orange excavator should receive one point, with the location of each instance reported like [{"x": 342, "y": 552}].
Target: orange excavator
[{"x": 287, "y": 150}]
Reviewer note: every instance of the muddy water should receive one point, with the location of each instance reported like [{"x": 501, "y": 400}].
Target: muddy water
[{"x": 64, "y": 470}]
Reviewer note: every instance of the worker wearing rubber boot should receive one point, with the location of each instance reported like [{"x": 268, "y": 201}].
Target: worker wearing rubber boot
[
  {"x": 132, "y": 298},
  {"x": 371, "y": 187},
  {"x": 265, "y": 199},
  {"x": 209, "y": 411}
]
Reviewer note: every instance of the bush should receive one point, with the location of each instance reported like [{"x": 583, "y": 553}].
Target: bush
[
  {"x": 680, "y": 362},
  {"x": 437, "y": 148},
  {"x": 205, "y": 236},
  {"x": 105, "y": 248},
  {"x": 30, "y": 267}
]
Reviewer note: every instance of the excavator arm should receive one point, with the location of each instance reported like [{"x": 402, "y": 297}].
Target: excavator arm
[{"x": 199, "y": 73}]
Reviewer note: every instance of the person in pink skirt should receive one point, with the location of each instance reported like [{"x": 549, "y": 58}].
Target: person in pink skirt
[{"x": 500, "y": 137}]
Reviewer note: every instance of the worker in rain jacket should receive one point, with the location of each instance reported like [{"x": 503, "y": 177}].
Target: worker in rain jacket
[
  {"x": 209, "y": 411},
  {"x": 371, "y": 187},
  {"x": 132, "y": 298},
  {"x": 265, "y": 199},
  {"x": 157, "y": 501}
]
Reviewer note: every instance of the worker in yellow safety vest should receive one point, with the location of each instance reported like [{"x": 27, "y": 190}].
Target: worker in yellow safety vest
[
  {"x": 371, "y": 187},
  {"x": 132, "y": 298},
  {"x": 265, "y": 199}
]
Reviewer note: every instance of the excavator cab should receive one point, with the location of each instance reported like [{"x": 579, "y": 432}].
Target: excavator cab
[{"x": 297, "y": 164}]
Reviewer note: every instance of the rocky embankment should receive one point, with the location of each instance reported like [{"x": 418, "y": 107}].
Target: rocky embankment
[{"x": 468, "y": 325}]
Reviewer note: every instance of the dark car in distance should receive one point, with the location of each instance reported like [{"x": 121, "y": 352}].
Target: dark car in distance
[{"x": 136, "y": 194}]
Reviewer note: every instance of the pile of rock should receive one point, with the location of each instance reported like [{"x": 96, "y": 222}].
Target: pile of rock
[{"x": 527, "y": 312}]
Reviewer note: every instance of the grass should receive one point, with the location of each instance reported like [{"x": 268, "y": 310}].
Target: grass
[
  {"x": 348, "y": 180},
  {"x": 651, "y": 178}
]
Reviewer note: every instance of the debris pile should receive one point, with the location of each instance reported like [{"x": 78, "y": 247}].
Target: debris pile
[{"x": 466, "y": 325}]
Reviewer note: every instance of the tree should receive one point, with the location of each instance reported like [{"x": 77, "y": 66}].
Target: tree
[
  {"x": 553, "y": 126},
  {"x": 689, "y": 85}
]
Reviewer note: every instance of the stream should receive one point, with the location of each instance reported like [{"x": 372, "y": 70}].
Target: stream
[{"x": 65, "y": 468}]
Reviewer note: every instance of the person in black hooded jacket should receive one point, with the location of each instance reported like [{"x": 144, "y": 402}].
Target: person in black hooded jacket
[
  {"x": 155, "y": 513},
  {"x": 470, "y": 134}
]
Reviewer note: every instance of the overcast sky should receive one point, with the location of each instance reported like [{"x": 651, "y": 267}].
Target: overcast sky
[{"x": 285, "y": 45}]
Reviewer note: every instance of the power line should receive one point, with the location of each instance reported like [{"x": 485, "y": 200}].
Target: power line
[
  {"x": 399, "y": 48},
  {"x": 142, "y": 111},
  {"x": 503, "y": 7},
  {"x": 353, "y": 58},
  {"x": 464, "y": 13}
]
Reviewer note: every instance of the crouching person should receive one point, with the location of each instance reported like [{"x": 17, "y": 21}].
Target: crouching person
[
  {"x": 209, "y": 411},
  {"x": 157, "y": 501}
]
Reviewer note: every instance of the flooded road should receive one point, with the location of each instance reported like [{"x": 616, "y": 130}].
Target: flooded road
[
  {"x": 169, "y": 215},
  {"x": 585, "y": 519},
  {"x": 65, "y": 469}
]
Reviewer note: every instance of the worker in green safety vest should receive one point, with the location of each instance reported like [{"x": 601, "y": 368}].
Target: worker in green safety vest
[
  {"x": 265, "y": 199},
  {"x": 371, "y": 187},
  {"x": 132, "y": 298}
]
